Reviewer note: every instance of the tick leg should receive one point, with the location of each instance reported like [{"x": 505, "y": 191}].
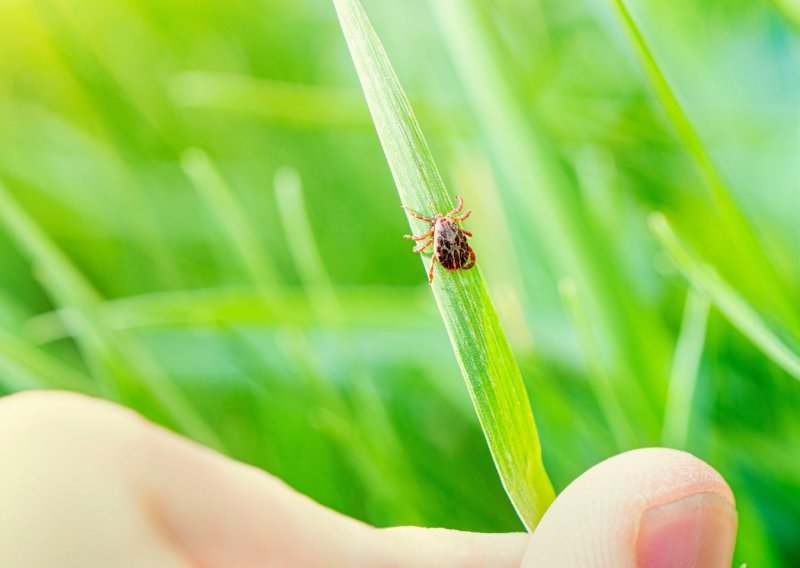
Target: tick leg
[
  {"x": 417, "y": 215},
  {"x": 457, "y": 209},
  {"x": 430, "y": 270},
  {"x": 466, "y": 233},
  {"x": 419, "y": 238},
  {"x": 463, "y": 217},
  {"x": 423, "y": 246},
  {"x": 471, "y": 262}
]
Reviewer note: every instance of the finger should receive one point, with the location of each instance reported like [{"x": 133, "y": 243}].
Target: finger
[
  {"x": 66, "y": 467},
  {"x": 182, "y": 504},
  {"x": 231, "y": 514},
  {"x": 648, "y": 508}
]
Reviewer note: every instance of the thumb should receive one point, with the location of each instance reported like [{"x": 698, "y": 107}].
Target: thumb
[{"x": 651, "y": 508}]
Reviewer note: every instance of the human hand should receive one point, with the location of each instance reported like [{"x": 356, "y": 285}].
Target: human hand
[{"x": 86, "y": 483}]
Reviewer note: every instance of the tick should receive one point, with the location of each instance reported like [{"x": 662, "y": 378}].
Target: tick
[{"x": 449, "y": 240}]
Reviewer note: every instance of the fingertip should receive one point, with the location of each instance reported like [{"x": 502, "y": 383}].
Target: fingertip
[{"x": 601, "y": 518}]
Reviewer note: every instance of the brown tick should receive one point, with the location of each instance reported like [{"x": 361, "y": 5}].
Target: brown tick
[{"x": 449, "y": 239}]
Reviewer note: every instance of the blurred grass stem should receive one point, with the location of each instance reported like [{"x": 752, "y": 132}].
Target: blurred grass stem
[{"x": 685, "y": 368}]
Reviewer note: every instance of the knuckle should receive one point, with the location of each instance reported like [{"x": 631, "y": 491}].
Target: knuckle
[
  {"x": 34, "y": 406},
  {"x": 49, "y": 421},
  {"x": 37, "y": 398}
]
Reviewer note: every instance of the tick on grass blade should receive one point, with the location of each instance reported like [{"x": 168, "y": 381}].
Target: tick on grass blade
[{"x": 449, "y": 240}]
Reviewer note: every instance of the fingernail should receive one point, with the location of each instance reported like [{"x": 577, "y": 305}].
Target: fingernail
[{"x": 695, "y": 531}]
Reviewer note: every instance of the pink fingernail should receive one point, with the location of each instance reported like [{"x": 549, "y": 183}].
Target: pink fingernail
[{"x": 698, "y": 531}]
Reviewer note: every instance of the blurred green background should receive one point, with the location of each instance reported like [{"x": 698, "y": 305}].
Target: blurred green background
[{"x": 197, "y": 220}]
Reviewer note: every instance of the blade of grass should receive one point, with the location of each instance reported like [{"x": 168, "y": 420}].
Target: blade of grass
[
  {"x": 229, "y": 213},
  {"x": 303, "y": 248},
  {"x": 736, "y": 226},
  {"x": 324, "y": 305},
  {"x": 735, "y": 308},
  {"x": 480, "y": 345},
  {"x": 472, "y": 172},
  {"x": 93, "y": 79},
  {"x": 119, "y": 362},
  {"x": 539, "y": 188},
  {"x": 274, "y": 305},
  {"x": 673, "y": 108},
  {"x": 48, "y": 371},
  {"x": 683, "y": 380},
  {"x": 790, "y": 9},
  {"x": 380, "y": 439},
  {"x": 363, "y": 306},
  {"x": 374, "y": 463},
  {"x": 292, "y": 103},
  {"x": 598, "y": 377}
]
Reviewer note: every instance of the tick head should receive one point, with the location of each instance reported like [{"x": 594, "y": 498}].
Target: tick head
[{"x": 445, "y": 226}]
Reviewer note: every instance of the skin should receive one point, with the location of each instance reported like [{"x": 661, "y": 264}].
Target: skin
[{"x": 86, "y": 483}]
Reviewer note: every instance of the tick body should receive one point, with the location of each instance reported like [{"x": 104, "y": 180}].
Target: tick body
[{"x": 449, "y": 240}]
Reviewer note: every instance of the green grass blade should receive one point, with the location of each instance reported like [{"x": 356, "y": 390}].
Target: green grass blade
[
  {"x": 48, "y": 371},
  {"x": 683, "y": 380},
  {"x": 481, "y": 348},
  {"x": 232, "y": 218},
  {"x": 290, "y": 103},
  {"x": 743, "y": 316},
  {"x": 539, "y": 188},
  {"x": 118, "y": 361},
  {"x": 409, "y": 309},
  {"x": 672, "y": 107},
  {"x": 599, "y": 380},
  {"x": 472, "y": 172},
  {"x": 743, "y": 238},
  {"x": 381, "y": 443},
  {"x": 303, "y": 247}
]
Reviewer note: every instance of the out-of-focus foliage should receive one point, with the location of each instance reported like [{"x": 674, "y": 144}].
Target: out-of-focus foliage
[{"x": 150, "y": 254}]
